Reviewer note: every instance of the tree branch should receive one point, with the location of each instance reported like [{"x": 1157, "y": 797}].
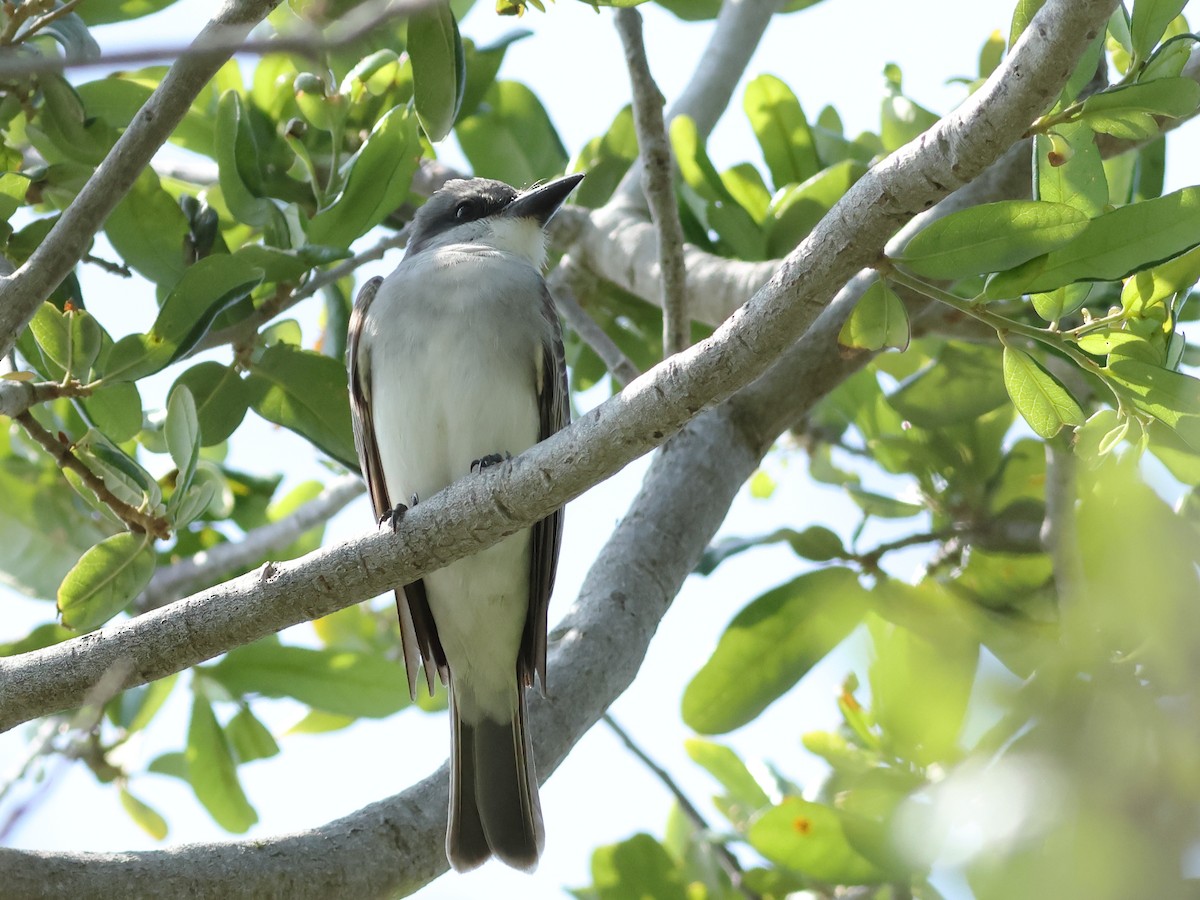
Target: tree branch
[
  {"x": 205, "y": 568},
  {"x": 562, "y": 282},
  {"x": 23, "y": 291},
  {"x": 657, "y": 182}
]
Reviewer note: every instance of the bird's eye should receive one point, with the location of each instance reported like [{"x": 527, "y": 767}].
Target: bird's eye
[{"x": 462, "y": 212}]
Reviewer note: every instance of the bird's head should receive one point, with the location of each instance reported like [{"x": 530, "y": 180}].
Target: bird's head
[{"x": 488, "y": 212}]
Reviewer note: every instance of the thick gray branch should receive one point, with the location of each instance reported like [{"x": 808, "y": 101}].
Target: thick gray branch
[{"x": 22, "y": 292}]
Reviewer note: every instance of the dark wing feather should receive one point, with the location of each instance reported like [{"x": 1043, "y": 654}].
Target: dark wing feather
[
  {"x": 418, "y": 634},
  {"x": 554, "y": 412}
]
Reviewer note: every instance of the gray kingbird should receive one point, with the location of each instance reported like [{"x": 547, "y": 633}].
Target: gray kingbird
[{"x": 456, "y": 362}]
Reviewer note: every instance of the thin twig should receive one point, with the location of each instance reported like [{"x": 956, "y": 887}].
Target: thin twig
[
  {"x": 108, "y": 266},
  {"x": 216, "y": 564},
  {"x": 53, "y": 16},
  {"x": 562, "y": 288},
  {"x": 18, "y": 396},
  {"x": 657, "y": 182},
  {"x": 134, "y": 518},
  {"x": 725, "y": 857}
]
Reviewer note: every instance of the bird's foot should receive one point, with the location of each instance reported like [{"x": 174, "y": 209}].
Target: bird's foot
[
  {"x": 486, "y": 462},
  {"x": 393, "y": 516}
]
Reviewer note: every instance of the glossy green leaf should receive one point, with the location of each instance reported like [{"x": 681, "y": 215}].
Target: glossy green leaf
[
  {"x": 377, "y": 182},
  {"x": 882, "y": 506},
  {"x": 770, "y": 645},
  {"x": 13, "y": 187},
  {"x": 307, "y": 393},
  {"x": 1174, "y": 97},
  {"x": 782, "y": 131},
  {"x": 149, "y": 230},
  {"x": 879, "y": 320},
  {"x": 72, "y": 133},
  {"x": 116, "y": 410},
  {"x": 901, "y": 120},
  {"x": 1149, "y": 22},
  {"x": 439, "y": 68},
  {"x": 52, "y": 333},
  {"x": 795, "y": 211},
  {"x": 148, "y": 700},
  {"x": 1062, "y": 301},
  {"x": 960, "y": 384},
  {"x": 249, "y": 738},
  {"x": 638, "y": 867},
  {"x": 1112, "y": 246},
  {"x": 144, "y": 816},
  {"x": 1171, "y": 397},
  {"x": 238, "y": 162},
  {"x": 809, "y": 838},
  {"x": 182, "y": 430},
  {"x": 207, "y": 288},
  {"x": 991, "y": 237},
  {"x": 510, "y": 137},
  {"x": 1068, "y": 169},
  {"x": 221, "y": 396},
  {"x": 605, "y": 159},
  {"x": 122, "y": 475},
  {"x": 212, "y": 771},
  {"x": 336, "y": 681},
  {"x": 1040, "y": 399},
  {"x": 287, "y": 265},
  {"x": 1153, "y": 286},
  {"x": 105, "y": 580}
]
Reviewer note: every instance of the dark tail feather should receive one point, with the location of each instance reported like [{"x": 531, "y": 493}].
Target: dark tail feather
[{"x": 494, "y": 807}]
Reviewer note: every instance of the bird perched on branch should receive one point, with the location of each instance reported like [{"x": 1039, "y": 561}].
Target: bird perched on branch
[{"x": 456, "y": 363}]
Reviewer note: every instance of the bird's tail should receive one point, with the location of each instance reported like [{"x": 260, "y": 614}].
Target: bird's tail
[{"x": 494, "y": 806}]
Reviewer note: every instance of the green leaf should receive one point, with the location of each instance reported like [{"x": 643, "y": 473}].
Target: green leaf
[
  {"x": 1174, "y": 97},
  {"x": 377, "y": 181},
  {"x": 879, "y": 320},
  {"x": 182, "y": 430},
  {"x": 439, "y": 68},
  {"x": 770, "y": 645},
  {"x": 782, "y": 131},
  {"x": 13, "y": 187},
  {"x": 962, "y": 383},
  {"x": 207, "y": 288},
  {"x": 1068, "y": 169},
  {"x": 809, "y": 838},
  {"x": 116, "y": 410},
  {"x": 221, "y": 397},
  {"x": 336, "y": 681},
  {"x": 238, "y": 162},
  {"x": 1112, "y": 246},
  {"x": 104, "y": 12},
  {"x": 212, "y": 771},
  {"x": 1149, "y": 21},
  {"x": 795, "y": 211},
  {"x": 105, "y": 580},
  {"x": 145, "y": 817},
  {"x": 726, "y": 766},
  {"x": 510, "y": 137},
  {"x": 638, "y": 867},
  {"x": 249, "y": 738},
  {"x": 307, "y": 393},
  {"x": 1040, "y": 399},
  {"x": 65, "y": 122},
  {"x": 881, "y": 505},
  {"x": 149, "y": 230},
  {"x": 1171, "y": 397},
  {"x": 991, "y": 237},
  {"x": 148, "y": 700}
]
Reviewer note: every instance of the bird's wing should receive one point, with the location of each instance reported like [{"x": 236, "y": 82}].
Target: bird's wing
[
  {"x": 418, "y": 634},
  {"x": 554, "y": 412}
]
